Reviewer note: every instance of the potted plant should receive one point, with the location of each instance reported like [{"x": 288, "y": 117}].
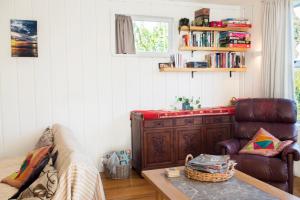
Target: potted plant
[{"x": 188, "y": 103}]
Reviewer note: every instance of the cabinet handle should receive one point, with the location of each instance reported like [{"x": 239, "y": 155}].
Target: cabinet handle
[
  {"x": 158, "y": 123},
  {"x": 188, "y": 121}
]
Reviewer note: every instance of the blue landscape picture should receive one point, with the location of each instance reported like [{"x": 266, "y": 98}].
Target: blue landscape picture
[{"x": 23, "y": 38}]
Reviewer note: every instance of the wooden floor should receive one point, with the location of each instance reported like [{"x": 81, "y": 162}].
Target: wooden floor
[
  {"x": 297, "y": 186},
  {"x": 137, "y": 188}
]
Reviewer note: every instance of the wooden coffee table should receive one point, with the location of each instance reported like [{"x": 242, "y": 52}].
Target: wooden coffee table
[{"x": 166, "y": 190}]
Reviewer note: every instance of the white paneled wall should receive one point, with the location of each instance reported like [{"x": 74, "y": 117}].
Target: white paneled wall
[{"x": 79, "y": 82}]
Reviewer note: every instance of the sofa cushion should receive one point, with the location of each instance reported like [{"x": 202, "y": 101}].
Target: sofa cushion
[
  {"x": 266, "y": 110},
  {"x": 265, "y": 144},
  {"x": 45, "y": 186},
  {"x": 7, "y": 166},
  {"x": 33, "y": 176},
  {"x": 29, "y": 165},
  {"x": 46, "y": 139},
  {"x": 264, "y": 168}
]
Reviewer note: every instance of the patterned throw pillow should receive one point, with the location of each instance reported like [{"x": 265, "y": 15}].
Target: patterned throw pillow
[
  {"x": 28, "y": 166},
  {"x": 45, "y": 186},
  {"x": 36, "y": 173},
  {"x": 46, "y": 139},
  {"x": 33, "y": 176},
  {"x": 265, "y": 144}
]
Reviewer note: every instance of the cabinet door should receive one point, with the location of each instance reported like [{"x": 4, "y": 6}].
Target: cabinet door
[
  {"x": 158, "y": 148},
  {"x": 215, "y": 134},
  {"x": 188, "y": 141}
]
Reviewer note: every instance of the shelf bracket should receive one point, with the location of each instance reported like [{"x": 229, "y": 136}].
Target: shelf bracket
[
  {"x": 230, "y": 74},
  {"x": 192, "y": 73}
]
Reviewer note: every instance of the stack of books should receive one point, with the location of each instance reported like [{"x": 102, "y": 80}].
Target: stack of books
[
  {"x": 233, "y": 22},
  {"x": 225, "y": 60},
  {"x": 210, "y": 163},
  {"x": 235, "y": 39},
  {"x": 199, "y": 39},
  {"x": 177, "y": 60}
]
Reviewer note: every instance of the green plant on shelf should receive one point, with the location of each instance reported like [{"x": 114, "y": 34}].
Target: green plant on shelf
[{"x": 184, "y": 103}]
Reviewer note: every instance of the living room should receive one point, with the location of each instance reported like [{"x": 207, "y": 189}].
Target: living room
[{"x": 134, "y": 79}]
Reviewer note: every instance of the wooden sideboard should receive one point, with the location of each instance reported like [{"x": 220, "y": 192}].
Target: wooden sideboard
[{"x": 161, "y": 143}]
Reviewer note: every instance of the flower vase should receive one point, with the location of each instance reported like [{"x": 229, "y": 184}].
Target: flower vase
[{"x": 186, "y": 106}]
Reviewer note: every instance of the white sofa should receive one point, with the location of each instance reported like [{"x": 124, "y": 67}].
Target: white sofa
[{"x": 78, "y": 176}]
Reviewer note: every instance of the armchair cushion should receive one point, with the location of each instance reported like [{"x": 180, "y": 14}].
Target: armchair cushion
[
  {"x": 265, "y": 144},
  {"x": 231, "y": 146},
  {"x": 291, "y": 149},
  {"x": 263, "y": 168}
]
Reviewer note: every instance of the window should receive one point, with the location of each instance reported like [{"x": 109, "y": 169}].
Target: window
[
  {"x": 297, "y": 53},
  {"x": 152, "y": 35}
]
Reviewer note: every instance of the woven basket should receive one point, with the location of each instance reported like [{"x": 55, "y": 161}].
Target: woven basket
[
  {"x": 122, "y": 172},
  {"x": 208, "y": 177}
]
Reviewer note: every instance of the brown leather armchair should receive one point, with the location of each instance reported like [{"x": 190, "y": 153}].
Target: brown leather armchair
[{"x": 277, "y": 116}]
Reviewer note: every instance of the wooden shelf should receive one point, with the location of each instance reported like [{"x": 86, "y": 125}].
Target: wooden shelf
[
  {"x": 203, "y": 28},
  {"x": 213, "y": 69},
  {"x": 225, "y": 49}
]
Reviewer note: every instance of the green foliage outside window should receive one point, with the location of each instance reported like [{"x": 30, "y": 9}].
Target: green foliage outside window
[
  {"x": 297, "y": 33},
  {"x": 151, "y": 37}
]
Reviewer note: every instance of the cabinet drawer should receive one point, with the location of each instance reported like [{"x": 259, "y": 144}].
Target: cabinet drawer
[
  {"x": 158, "y": 123},
  {"x": 217, "y": 119},
  {"x": 198, "y": 120},
  {"x": 187, "y": 121}
]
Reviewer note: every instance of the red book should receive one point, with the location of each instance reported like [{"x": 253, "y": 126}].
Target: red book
[
  {"x": 239, "y": 45},
  {"x": 240, "y": 25}
]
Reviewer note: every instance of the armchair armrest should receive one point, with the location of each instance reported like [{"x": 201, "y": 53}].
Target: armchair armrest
[
  {"x": 293, "y": 149},
  {"x": 231, "y": 146}
]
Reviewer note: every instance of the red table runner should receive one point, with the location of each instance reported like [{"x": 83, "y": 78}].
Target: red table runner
[{"x": 158, "y": 114}]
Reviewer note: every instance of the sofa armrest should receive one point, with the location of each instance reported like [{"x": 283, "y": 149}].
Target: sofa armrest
[
  {"x": 231, "y": 146},
  {"x": 293, "y": 149}
]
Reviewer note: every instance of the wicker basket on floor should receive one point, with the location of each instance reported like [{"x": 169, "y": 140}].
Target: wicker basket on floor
[
  {"x": 207, "y": 177},
  {"x": 122, "y": 172}
]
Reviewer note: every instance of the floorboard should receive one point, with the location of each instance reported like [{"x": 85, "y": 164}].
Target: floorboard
[
  {"x": 136, "y": 188},
  {"x": 297, "y": 186}
]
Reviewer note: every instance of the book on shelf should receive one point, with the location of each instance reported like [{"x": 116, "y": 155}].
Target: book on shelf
[
  {"x": 225, "y": 60},
  {"x": 236, "y": 23},
  {"x": 200, "y": 39},
  {"x": 237, "y": 34},
  {"x": 236, "y": 45},
  {"x": 235, "y": 39},
  {"x": 178, "y": 60},
  {"x": 239, "y": 25}
]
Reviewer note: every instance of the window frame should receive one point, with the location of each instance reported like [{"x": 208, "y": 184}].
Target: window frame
[
  {"x": 296, "y": 62},
  {"x": 168, "y": 20}
]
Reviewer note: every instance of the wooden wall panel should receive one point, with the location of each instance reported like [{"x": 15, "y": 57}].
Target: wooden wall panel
[{"x": 78, "y": 81}]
